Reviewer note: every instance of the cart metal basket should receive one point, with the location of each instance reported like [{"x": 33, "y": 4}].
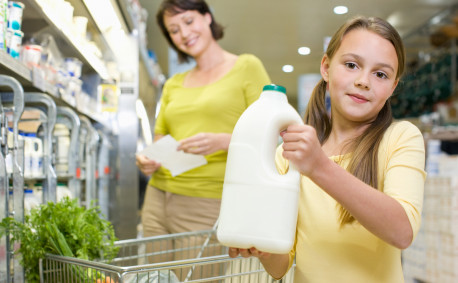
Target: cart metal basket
[{"x": 183, "y": 257}]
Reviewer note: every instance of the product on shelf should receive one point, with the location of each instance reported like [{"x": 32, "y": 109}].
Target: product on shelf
[
  {"x": 63, "y": 191},
  {"x": 13, "y": 34},
  {"x": 15, "y": 10},
  {"x": 73, "y": 66},
  {"x": 33, "y": 156},
  {"x": 62, "y": 134},
  {"x": 31, "y": 200},
  {"x": 31, "y": 55},
  {"x": 3, "y": 23},
  {"x": 14, "y": 42},
  {"x": 80, "y": 27}
]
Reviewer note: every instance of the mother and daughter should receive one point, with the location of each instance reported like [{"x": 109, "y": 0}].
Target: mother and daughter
[{"x": 362, "y": 174}]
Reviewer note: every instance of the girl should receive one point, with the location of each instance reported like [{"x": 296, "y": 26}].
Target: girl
[{"x": 362, "y": 174}]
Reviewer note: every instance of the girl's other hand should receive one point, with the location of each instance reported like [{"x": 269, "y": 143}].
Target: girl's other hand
[
  {"x": 275, "y": 264},
  {"x": 302, "y": 148},
  {"x": 234, "y": 252}
]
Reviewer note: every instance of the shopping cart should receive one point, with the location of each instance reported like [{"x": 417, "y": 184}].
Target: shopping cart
[{"x": 183, "y": 257}]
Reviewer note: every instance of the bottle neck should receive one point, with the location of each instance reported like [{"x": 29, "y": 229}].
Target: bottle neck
[{"x": 276, "y": 95}]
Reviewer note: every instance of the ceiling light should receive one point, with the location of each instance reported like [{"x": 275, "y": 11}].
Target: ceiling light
[
  {"x": 287, "y": 68},
  {"x": 303, "y": 50},
  {"x": 340, "y": 10}
]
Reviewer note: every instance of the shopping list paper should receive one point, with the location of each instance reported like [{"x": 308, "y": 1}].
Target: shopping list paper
[{"x": 177, "y": 162}]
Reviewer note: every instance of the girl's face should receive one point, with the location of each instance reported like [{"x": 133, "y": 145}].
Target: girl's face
[
  {"x": 361, "y": 76},
  {"x": 190, "y": 31}
]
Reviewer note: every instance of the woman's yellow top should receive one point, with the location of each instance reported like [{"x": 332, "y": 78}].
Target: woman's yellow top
[{"x": 214, "y": 108}]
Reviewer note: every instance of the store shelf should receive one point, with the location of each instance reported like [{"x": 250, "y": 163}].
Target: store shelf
[
  {"x": 145, "y": 58},
  {"x": 134, "y": 24},
  {"x": 40, "y": 18},
  {"x": 86, "y": 8},
  {"x": 15, "y": 68},
  {"x": 8, "y": 63},
  {"x": 32, "y": 82},
  {"x": 62, "y": 31}
]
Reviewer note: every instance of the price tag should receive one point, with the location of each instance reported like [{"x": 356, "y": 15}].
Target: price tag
[{"x": 38, "y": 78}]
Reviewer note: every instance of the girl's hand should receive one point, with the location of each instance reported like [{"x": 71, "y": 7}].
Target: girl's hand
[
  {"x": 234, "y": 252},
  {"x": 205, "y": 143},
  {"x": 146, "y": 165},
  {"x": 275, "y": 264},
  {"x": 302, "y": 148}
]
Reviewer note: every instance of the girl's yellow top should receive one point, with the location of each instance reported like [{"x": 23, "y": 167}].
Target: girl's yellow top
[{"x": 325, "y": 252}]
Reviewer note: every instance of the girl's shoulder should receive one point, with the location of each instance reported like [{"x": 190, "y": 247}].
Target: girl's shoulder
[
  {"x": 403, "y": 127},
  {"x": 402, "y": 133}
]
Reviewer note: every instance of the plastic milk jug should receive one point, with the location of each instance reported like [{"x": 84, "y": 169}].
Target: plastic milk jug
[
  {"x": 62, "y": 134},
  {"x": 259, "y": 206},
  {"x": 28, "y": 152},
  {"x": 37, "y": 155},
  {"x": 30, "y": 200}
]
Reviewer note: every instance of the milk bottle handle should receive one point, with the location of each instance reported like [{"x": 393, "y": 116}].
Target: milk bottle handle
[
  {"x": 35, "y": 145},
  {"x": 281, "y": 123},
  {"x": 39, "y": 143}
]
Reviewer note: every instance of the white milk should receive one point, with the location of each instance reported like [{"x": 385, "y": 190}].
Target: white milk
[{"x": 259, "y": 206}]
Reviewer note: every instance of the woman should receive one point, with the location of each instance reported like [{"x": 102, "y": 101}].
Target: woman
[
  {"x": 362, "y": 174},
  {"x": 199, "y": 108}
]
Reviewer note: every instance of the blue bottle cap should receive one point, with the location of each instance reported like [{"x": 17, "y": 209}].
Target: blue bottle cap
[{"x": 275, "y": 88}]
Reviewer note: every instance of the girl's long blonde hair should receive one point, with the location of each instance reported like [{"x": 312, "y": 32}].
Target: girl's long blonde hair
[{"x": 363, "y": 163}]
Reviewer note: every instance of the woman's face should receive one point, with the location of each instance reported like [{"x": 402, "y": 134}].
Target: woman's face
[
  {"x": 361, "y": 76},
  {"x": 190, "y": 31}
]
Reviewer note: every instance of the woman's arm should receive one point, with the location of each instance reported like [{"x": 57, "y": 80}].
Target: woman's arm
[{"x": 205, "y": 143}]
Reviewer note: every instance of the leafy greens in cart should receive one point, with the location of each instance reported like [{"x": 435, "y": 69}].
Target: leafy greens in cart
[{"x": 62, "y": 228}]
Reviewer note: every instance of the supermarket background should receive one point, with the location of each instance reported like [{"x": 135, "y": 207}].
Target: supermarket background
[{"x": 80, "y": 78}]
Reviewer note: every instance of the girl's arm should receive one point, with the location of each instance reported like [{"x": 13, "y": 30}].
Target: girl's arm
[{"x": 377, "y": 212}]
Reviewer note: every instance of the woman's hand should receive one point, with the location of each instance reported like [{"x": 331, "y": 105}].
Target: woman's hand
[
  {"x": 302, "y": 148},
  {"x": 205, "y": 143},
  {"x": 146, "y": 165}
]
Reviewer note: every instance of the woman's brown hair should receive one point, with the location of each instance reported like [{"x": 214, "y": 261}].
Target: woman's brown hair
[
  {"x": 363, "y": 163},
  {"x": 174, "y": 7}
]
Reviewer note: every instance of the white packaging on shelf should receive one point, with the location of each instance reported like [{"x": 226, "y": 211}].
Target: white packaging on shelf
[
  {"x": 14, "y": 42},
  {"x": 15, "y": 11},
  {"x": 62, "y": 133},
  {"x": 31, "y": 55},
  {"x": 3, "y": 23},
  {"x": 30, "y": 200}
]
